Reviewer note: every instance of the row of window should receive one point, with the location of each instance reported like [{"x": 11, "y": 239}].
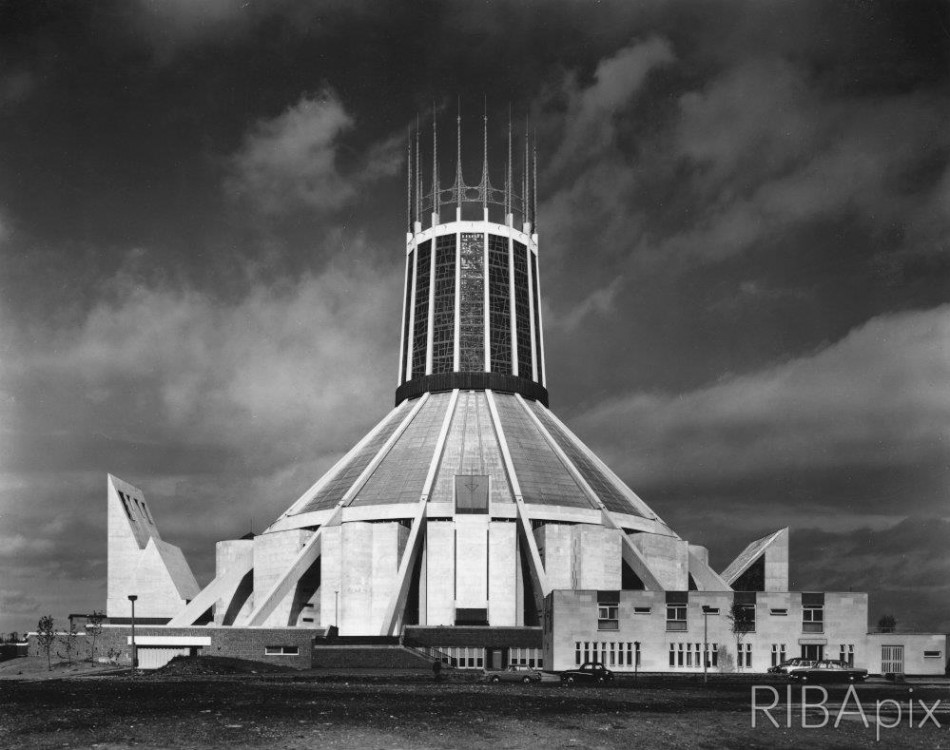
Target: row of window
[
  {"x": 676, "y": 616},
  {"x": 510, "y": 294},
  {"x": 608, "y": 653}
]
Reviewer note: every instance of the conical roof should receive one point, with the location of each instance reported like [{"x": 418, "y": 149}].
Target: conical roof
[{"x": 525, "y": 450}]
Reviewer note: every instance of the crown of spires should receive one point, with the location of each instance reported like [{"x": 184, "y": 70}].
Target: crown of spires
[{"x": 431, "y": 198}]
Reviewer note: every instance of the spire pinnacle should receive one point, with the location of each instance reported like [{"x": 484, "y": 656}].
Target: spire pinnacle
[
  {"x": 484, "y": 185},
  {"x": 509, "y": 207},
  {"x": 525, "y": 184},
  {"x": 534, "y": 206},
  {"x": 458, "y": 156},
  {"x": 418, "y": 175},
  {"x": 435, "y": 163}
]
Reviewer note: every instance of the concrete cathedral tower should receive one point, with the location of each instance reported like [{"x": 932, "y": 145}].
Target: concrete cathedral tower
[
  {"x": 470, "y": 520},
  {"x": 470, "y": 501}
]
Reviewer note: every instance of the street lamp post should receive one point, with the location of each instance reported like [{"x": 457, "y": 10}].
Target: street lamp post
[
  {"x": 135, "y": 653},
  {"x": 705, "y": 643}
]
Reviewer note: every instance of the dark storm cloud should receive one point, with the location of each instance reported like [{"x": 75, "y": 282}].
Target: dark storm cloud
[{"x": 744, "y": 220}]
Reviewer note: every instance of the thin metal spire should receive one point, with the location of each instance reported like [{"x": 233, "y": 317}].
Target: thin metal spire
[
  {"x": 418, "y": 174},
  {"x": 485, "y": 156},
  {"x": 525, "y": 185},
  {"x": 509, "y": 208},
  {"x": 435, "y": 163},
  {"x": 409, "y": 176},
  {"x": 458, "y": 156},
  {"x": 534, "y": 207}
]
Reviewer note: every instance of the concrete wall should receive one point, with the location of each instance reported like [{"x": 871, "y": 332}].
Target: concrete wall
[
  {"x": 139, "y": 562},
  {"x": 776, "y": 563},
  {"x": 471, "y": 575},
  {"x": 667, "y": 557},
  {"x": 578, "y": 556},
  {"x": 358, "y": 567},
  {"x": 273, "y": 553},
  {"x": 915, "y": 644},
  {"x": 440, "y": 573},
  {"x": 240, "y": 643},
  {"x": 574, "y": 619},
  {"x": 502, "y": 573}
]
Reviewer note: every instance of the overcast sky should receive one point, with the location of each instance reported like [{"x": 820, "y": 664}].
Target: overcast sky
[{"x": 745, "y": 260}]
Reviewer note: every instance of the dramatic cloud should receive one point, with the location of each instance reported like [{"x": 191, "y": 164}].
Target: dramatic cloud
[
  {"x": 876, "y": 400},
  {"x": 201, "y": 403},
  {"x": 290, "y": 162},
  {"x": 905, "y": 565},
  {"x": 590, "y": 111}
]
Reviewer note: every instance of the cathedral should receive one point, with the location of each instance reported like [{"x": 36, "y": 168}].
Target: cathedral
[{"x": 471, "y": 525}]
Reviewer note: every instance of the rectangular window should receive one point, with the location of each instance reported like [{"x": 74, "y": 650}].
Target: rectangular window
[
  {"x": 537, "y": 311},
  {"x": 607, "y": 617},
  {"x": 745, "y": 654},
  {"x": 577, "y": 653},
  {"x": 586, "y": 650},
  {"x": 471, "y": 493},
  {"x": 778, "y": 653},
  {"x": 642, "y": 610},
  {"x": 472, "y": 304},
  {"x": 522, "y": 311},
  {"x": 613, "y": 654},
  {"x": 778, "y": 612},
  {"x": 676, "y": 617},
  {"x": 636, "y": 654},
  {"x": 672, "y": 654},
  {"x": 420, "y": 333},
  {"x": 499, "y": 304},
  {"x": 281, "y": 650},
  {"x": 410, "y": 260},
  {"x": 846, "y": 654},
  {"x": 747, "y": 623},
  {"x": 443, "y": 311},
  {"x": 931, "y": 654},
  {"x": 813, "y": 620},
  {"x": 714, "y": 655}
]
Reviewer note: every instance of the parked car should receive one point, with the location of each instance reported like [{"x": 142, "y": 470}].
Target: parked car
[
  {"x": 793, "y": 665},
  {"x": 514, "y": 673},
  {"x": 590, "y": 671},
  {"x": 830, "y": 670}
]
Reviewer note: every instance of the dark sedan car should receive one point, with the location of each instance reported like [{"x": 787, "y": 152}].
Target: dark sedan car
[
  {"x": 829, "y": 670},
  {"x": 591, "y": 671}
]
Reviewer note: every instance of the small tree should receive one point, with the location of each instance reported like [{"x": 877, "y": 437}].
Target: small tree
[
  {"x": 887, "y": 624},
  {"x": 70, "y": 637},
  {"x": 94, "y": 630},
  {"x": 742, "y": 618},
  {"x": 14, "y": 637},
  {"x": 46, "y": 637}
]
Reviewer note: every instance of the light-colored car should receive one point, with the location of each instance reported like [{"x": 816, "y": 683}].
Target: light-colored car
[
  {"x": 514, "y": 673},
  {"x": 793, "y": 665}
]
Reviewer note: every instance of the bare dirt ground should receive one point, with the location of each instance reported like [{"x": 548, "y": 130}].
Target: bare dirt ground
[{"x": 197, "y": 706}]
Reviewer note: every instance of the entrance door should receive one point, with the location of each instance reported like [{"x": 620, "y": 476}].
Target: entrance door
[
  {"x": 814, "y": 651},
  {"x": 892, "y": 659},
  {"x": 496, "y": 658}
]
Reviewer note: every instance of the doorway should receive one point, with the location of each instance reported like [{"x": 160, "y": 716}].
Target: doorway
[
  {"x": 813, "y": 651},
  {"x": 892, "y": 659}
]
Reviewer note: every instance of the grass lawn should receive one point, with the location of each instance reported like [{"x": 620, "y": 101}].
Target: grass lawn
[{"x": 307, "y": 710}]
